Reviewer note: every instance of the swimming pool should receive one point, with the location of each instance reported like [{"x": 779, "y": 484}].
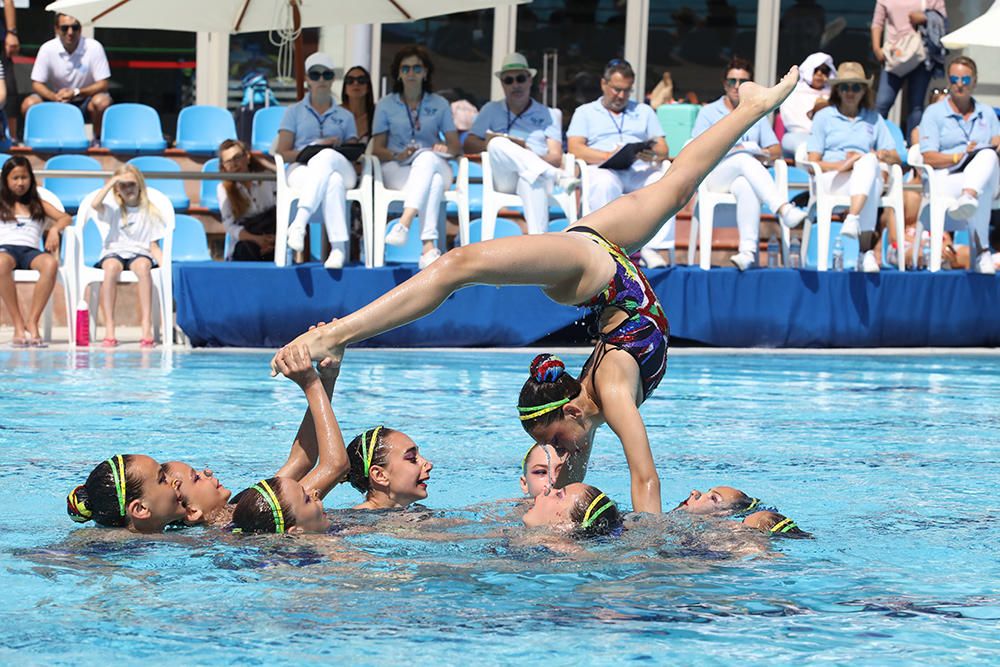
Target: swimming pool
[{"x": 892, "y": 463}]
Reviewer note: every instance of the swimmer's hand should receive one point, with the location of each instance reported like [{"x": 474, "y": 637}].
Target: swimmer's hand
[
  {"x": 294, "y": 363},
  {"x": 316, "y": 339},
  {"x": 328, "y": 369}
]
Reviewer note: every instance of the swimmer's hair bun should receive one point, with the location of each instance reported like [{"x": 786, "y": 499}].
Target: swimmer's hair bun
[
  {"x": 546, "y": 368},
  {"x": 76, "y": 505}
]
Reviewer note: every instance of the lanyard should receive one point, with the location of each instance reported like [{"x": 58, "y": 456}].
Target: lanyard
[
  {"x": 319, "y": 119},
  {"x": 414, "y": 124},
  {"x": 510, "y": 123},
  {"x": 618, "y": 126},
  {"x": 972, "y": 126}
]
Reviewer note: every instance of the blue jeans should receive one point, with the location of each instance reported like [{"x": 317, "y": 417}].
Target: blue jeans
[{"x": 916, "y": 94}]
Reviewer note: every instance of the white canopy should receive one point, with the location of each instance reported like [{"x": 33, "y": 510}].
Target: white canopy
[
  {"x": 983, "y": 31},
  {"x": 235, "y": 16}
]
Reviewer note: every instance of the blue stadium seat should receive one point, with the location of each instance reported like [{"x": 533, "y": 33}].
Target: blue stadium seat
[
  {"x": 173, "y": 188},
  {"x": 558, "y": 224},
  {"x": 190, "y": 243},
  {"x": 132, "y": 128},
  {"x": 52, "y": 127},
  {"x": 504, "y": 228},
  {"x": 265, "y": 128},
  {"x": 409, "y": 253},
  {"x": 3, "y": 158},
  {"x": 200, "y": 129},
  {"x": 208, "y": 197},
  {"x": 851, "y": 249},
  {"x": 71, "y": 191},
  {"x": 677, "y": 121}
]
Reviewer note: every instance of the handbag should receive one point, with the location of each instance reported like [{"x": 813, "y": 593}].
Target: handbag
[
  {"x": 264, "y": 222},
  {"x": 907, "y": 53}
]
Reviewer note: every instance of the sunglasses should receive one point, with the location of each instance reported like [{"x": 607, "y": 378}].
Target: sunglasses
[
  {"x": 406, "y": 69},
  {"x": 823, "y": 69},
  {"x": 520, "y": 78},
  {"x": 732, "y": 83},
  {"x": 360, "y": 79},
  {"x": 317, "y": 74},
  {"x": 76, "y": 27},
  {"x": 964, "y": 80},
  {"x": 850, "y": 87}
]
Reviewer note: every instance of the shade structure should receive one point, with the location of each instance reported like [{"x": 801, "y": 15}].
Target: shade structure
[
  {"x": 983, "y": 31},
  {"x": 235, "y": 16}
]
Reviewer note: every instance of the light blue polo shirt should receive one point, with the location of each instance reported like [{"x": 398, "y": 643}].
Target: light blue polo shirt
[
  {"x": 604, "y": 131},
  {"x": 760, "y": 133},
  {"x": 944, "y": 130},
  {"x": 834, "y": 134},
  {"x": 535, "y": 125},
  {"x": 432, "y": 119},
  {"x": 308, "y": 125}
]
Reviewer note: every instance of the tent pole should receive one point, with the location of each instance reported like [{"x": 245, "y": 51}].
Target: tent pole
[{"x": 300, "y": 58}]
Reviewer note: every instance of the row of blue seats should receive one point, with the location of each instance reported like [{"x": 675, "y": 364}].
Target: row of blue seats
[{"x": 51, "y": 127}]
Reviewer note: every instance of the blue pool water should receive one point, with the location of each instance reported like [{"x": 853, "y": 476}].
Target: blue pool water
[{"x": 892, "y": 463}]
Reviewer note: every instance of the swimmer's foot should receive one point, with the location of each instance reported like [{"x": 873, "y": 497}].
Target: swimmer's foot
[
  {"x": 321, "y": 347},
  {"x": 763, "y": 100}
]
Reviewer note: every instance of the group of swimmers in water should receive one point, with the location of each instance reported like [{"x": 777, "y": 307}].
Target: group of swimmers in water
[{"x": 586, "y": 265}]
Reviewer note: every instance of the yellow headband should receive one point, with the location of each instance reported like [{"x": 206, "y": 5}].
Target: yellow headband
[
  {"x": 783, "y": 526},
  {"x": 368, "y": 452},
  {"x": 539, "y": 410},
  {"x": 76, "y": 508},
  {"x": 117, "y": 464},
  {"x": 588, "y": 519},
  {"x": 271, "y": 497}
]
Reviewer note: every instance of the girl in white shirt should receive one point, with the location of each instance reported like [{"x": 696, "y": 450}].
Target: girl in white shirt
[{"x": 134, "y": 227}]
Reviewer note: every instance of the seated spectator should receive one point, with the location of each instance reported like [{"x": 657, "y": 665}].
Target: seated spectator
[
  {"x": 663, "y": 93},
  {"x": 22, "y": 218},
  {"x": 406, "y": 135},
  {"x": 961, "y": 135},
  {"x": 356, "y": 96},
  {"x": 596, "y": 132},
  {"x": 809, "y": 96},
  {"x": 524, "y": 143},
  {"x": 73, "y": 69},
  {"x": 851, "y": 143},
  {"x": 247, "y": 208},
  {"x": 742, "y": 171},
  {"x": 322, "y": 178}
]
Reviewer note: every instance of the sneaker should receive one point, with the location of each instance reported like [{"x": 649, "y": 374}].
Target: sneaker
[
  {"x": 868, "y": 262},
  {"x": 428, "y": 258},
  {"x": 652, "y": 259},
  {"x": 335, "y": 260},
  {"x": 569, "y": 184},
  {"x": 296, "y": 237},
  {"x": 985, "y": 263},
  {"x": 964, "y": 207},
  {"x": 397, "y": 235},
  {"x": 743, "y": 260},
  {"x": 791, "y": 216},
  {"x": 852, "y": 227}
]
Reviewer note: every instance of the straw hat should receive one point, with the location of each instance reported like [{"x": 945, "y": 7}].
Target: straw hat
[
  {"x": 851, "y": 72},
  {"x": 515, "y": 62}
]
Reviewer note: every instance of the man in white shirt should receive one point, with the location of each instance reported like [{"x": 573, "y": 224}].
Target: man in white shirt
[{"x": 71, "y": 69}]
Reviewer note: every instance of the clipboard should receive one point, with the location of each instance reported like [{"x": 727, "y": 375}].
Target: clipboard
[{"x": 626, "y": 155}]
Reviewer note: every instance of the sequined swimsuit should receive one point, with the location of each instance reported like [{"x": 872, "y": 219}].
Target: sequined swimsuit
[{"x": 645, "y": 332}]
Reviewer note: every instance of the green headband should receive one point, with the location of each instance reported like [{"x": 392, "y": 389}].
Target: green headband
[
  {"x": 264, "y": 489},
  {"x": 117, "y": 464},
  {"x": 588, "y": 518},
  {"x": 783, "y": 526},
  {"x": 368, "y": 450},
  {"x": 539, "y": 410}
]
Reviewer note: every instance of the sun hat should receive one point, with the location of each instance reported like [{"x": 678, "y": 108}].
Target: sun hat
[
  {"x": 852, "y": 72},
  {"x": 319, "y": 59},
  {"x": 514, "y": 62}
]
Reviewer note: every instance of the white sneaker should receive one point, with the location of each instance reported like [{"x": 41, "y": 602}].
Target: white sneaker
[
  {"x": 296, "y": 237},
  {"x": 743, "y": 260},
  {"x": 964, "y": 207},
  {"x": 652, "y": 259},
  {"x": 791, "y": 216},
  {"x": 985, "y": 263},
  {"x": 869, "y": 264},
  {"x": 428, "y": 258},
  {"x": 569, "y": 184},
  {"x": 851, "y": 227},
  {"x": 397, "y": 235},
  {"x": 335, "y": 260}
]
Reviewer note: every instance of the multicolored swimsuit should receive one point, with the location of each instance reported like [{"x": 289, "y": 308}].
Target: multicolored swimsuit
[{"x": 645, "y": 333}]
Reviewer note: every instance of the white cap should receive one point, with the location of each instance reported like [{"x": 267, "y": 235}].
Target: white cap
[{"x": 319, "y": 59}]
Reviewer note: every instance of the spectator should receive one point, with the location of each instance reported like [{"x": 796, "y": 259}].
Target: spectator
[
  {"x": 356, "y": 96},
  {"x": 897, "y": 19},
  {"x": 809, "y": 96},
  {"x": 11, "y": 47},
  {"x": 406, "y": 136},
  {"x": 22, "y": 218},
  {"x": 961, "y": 135},
  {"x": 742, "y": 171},
  {"x": 663, "y": 92},
  {"x": 247, "y": 208},
  {"x": 524, "y": 142},
  {"x": 596, "y": 132},
  {"x": 71, "y": 68},
  {"x": 849, "y": 140},
  {"x": 322, "y": 178}
]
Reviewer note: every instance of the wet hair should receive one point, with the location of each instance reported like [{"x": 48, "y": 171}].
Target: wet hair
[
  {"x": 548, "y": 382},
  {"x": 356, "y": 455},
  {"x": 97, "y": 498},
  {"x": 738, "y": 62},
  {"x": 403, "y": 54},
  {"x": 30, "y": 198},
  {"x": 775, "y": 524},
  {"x": 967, "y": 62},
  {"x": 237, "y": 199},
  {"x": 369, "y": 96},
  {"x": 254, "y": 514},
  {"x": 608, "y": 518},
  {"x": 744, "y": 504},
  {"x": 618, "y": 66}
]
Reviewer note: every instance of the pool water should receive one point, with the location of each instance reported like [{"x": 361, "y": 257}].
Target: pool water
[{"x": 890, "y": 461}]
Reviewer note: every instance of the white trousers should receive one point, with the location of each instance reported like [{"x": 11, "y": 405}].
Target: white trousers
[
  {"x": 423, "y": 183},
  {"x": 864, "y": 179},
  {"x": 750, "y": 182},
  {"x": 981, "y": 175},
  {"x": 606, "y": 185},
  {"x": 324, "y": 181},
  {"x": 523, "y": 172}
]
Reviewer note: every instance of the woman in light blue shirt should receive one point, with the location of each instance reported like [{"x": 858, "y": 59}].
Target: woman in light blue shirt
[{"x": 407, "y": 138}]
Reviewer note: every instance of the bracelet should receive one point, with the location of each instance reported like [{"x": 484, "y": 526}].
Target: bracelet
[{"x": 954, "y": 158}]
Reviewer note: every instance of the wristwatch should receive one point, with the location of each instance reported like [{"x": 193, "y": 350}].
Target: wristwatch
[
  {"x": 12, "y": 31},
  {"x": 76, "y": 92}
]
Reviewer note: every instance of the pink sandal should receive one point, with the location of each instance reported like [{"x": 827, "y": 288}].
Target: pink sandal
[
  {"x": 109, "y": 342},
  {"x": 147, "y": 343}
]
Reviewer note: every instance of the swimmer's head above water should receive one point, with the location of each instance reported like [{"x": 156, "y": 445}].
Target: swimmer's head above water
[
  {"x": 550, "y": 406},
  {"x": 540, "y": 468},
  {"x": 387, "y": 467},
  {"x": 775, "y": 524},
  {"x": 578, "y": 508},
  {"x": 718, "y": 501},
  {"x": 203, "y": 494},
  {"x": 279, "y": 505}
]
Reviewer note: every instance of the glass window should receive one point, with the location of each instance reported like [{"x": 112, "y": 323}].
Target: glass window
[{"x": 842, "y": 29}]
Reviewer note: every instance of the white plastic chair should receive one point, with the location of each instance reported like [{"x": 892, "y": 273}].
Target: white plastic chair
[
  {"x": 84, "y": 276},
  {"x": 494, "y": 200},
  {"x": 287, "y": 201},
  {"x": 65, "y": 277},
  {"x": 825, "y": 202}
]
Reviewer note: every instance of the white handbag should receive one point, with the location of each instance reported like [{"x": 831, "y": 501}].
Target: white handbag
[{"x": 907, "y": 53}]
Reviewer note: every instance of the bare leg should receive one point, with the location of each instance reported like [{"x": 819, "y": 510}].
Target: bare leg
[
  {"x": 109, "y": 293},
  {"x": 8, "y": 292},
  {"x": 46, "y": 265},
  {"x": 142, "y": 267}
]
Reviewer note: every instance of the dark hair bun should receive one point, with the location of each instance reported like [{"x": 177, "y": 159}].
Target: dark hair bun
[
  {"x": 546, "y": 368},
  {"x": 76, "y": 505}
]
